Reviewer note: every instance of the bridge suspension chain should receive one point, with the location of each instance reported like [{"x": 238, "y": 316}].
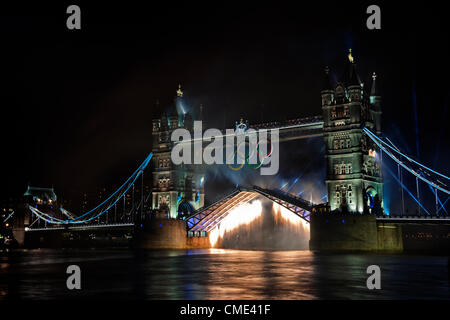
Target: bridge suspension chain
[
  {"x": 104, "y": 207},
  {"x": 389, "y": 150}
]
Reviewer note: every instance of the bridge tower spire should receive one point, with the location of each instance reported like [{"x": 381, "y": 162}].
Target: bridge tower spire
[
  {"x": 375, "y": 103},
  {"x": 354, "y": 181}
]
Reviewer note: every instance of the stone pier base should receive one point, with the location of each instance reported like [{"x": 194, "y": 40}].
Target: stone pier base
[
  {"x": 353, "y": 232},
  {"x": 169, "y": 234}
]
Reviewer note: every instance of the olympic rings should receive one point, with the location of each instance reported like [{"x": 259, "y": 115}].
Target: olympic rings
[
  {"x": 248, "y": 155},
  {"x": 239, "y": 167}
]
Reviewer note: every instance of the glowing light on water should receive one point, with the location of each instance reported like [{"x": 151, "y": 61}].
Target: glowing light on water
[
  {"x": 289, "y": 216},
  {"x": 243, "y": 214}
]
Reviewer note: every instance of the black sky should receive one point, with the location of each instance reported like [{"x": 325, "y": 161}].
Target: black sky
[{"x": 77, "y": 105}]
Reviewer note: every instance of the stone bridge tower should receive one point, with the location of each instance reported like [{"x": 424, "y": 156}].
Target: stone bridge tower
[
  {"x": 177, "y": 190},
  {"x": 354, "y": 177}
]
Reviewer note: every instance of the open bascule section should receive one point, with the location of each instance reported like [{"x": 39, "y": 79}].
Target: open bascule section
[{"x": 223, "y": 221}]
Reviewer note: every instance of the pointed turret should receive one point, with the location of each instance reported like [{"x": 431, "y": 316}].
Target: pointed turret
[
  {"x": 327, "y": 82},
  {"x": 179, "y": 102},
  {"x": 375, "y": 103},
  {"x": 350, "y": 77},
  {"x": 374, "y": 92},
  {"x": 327, "y": 88},
  {"x": 188, "y": 122}
]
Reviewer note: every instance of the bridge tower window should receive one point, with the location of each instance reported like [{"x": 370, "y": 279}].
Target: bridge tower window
[{"x": 333, "y": 112}]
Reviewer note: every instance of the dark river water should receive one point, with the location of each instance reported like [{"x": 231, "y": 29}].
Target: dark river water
[{"x": 219, "y": 274}]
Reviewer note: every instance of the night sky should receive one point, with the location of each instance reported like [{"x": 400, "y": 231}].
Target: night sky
[{"x": 77, "y": 105}]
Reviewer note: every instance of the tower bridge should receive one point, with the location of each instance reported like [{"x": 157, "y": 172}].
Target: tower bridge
[{"x": 353, "y": 218}]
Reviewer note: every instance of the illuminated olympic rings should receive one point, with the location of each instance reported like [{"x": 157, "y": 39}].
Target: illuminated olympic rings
[
  {"x": 248, "y": 155},
  {"x": 239, "y": 167}
]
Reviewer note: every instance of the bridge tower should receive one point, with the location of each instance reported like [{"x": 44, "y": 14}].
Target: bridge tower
[
  {"x": 354, "y": 177},
  {"x": 177, "y": 190}
]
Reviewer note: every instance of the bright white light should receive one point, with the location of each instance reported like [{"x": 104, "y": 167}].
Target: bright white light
[
  {"x": 243, "y": 214},
  {"x": 289, "y": 216}
]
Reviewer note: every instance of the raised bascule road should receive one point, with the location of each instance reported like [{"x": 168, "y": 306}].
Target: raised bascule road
[{"x": 353, "y": 218}]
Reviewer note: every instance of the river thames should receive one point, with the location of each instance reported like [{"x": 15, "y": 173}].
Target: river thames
[{"x": 219, "y": 274}]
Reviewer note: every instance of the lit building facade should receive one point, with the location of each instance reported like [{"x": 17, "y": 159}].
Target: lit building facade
[
  {"x": 177, "y": 190},
  {"x": 353, "y": 163}
]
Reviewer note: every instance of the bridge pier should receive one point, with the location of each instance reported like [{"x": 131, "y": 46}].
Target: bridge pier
[
  {"x": 168, "y": 234},
  {"x": 353, "y": 232},
  {"x": 21, "y": 219},
  {"x": 19, "y": 235},
  {"x": 343, "y": 232}
]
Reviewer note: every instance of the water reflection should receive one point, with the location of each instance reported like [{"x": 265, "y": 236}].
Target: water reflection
[{"x": 219, "y": 274}]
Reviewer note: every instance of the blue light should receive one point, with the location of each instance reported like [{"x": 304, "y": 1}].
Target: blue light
[
  {"x": 439, "y": 200},
  {"x": 373, "y": 136},
  {"x": 293, "y": 184},
  {"x": 141, "y": 167},
  {"x": 343, "y": 221},
  {"x": 160, "y": 224},
  {"x": 136, "y": 174},
  {"x": 407, "y": 190},
  {"x": 371, "y": 201},
  {"x": 443, "y": 204},
  {"x": 402, "y": 164}
]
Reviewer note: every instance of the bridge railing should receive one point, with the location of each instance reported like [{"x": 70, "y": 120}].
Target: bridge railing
[
  {"x": 216, "y": 201},
  {"x": 286, "y": 197}
]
